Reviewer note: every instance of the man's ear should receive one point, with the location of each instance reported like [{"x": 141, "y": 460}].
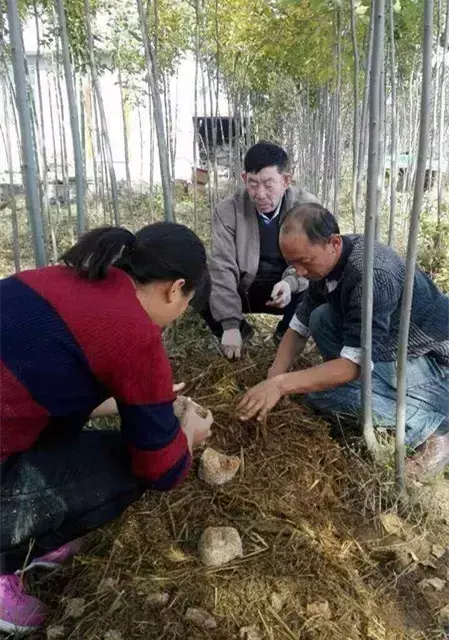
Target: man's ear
[
  {"x": 336, "y": 241},
  {"x": 287, "y": 180},
  {"x": 244, "y": 176}
]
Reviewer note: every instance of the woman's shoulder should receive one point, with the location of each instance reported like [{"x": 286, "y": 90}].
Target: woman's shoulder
[{"x": 103, "y": 316}]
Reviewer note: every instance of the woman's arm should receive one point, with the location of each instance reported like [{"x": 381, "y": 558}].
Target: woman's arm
[{"x": 107, "y": 408}]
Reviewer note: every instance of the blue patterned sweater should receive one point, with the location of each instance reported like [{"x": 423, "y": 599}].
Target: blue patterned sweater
[{"x": 342, "y": 289}]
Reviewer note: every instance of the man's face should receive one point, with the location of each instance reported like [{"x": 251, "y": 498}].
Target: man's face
[
  {"x": 266, "y": 188},
  {"x": 311, "y": 261}
]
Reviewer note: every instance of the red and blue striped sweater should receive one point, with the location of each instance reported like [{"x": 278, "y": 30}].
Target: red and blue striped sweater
[{"x": 67, "y": 344}]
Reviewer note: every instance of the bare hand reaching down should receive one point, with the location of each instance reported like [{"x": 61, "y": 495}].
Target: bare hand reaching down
[{"x": 259, "y": 400}]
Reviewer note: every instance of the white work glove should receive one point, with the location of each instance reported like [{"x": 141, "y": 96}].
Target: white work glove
[
  {"x": 231, "y": 343},
  {"x": 281, "y": 295}
]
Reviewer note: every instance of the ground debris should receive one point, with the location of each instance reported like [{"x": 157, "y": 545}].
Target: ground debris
[
  {"x": 75, "y": 607},
  {"x": 320, "y": 609},
  {"x": 250, "y": 633},
  {"x": 277, "y": 601},
  {"x": 158, "y": 599},
  {"x": 375, "y": 630},
  {"x": 217, "y": 468},
  {"x": 201, "y": 618},
  {"x": 219, "y": 545},
  {"x": 443, "y": 615},
  {"x": 109, "y": 583},
  {"x": 436, "y": 583},
  {"x": 428, "y": 563},
  {"x": 113, "y": 634},
  {"x": 438, "y": 551},
  {"x": 393, "y": 524},
  {"x": 56, "y": 631},
  {"x": 176, "y": 555}
]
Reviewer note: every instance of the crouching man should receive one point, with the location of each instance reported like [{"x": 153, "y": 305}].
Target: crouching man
[
  {"x": 331, "y": 312},
  {"x": 248, "y": 271}
]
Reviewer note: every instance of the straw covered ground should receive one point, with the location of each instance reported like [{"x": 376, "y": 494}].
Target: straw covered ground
[{"x": 317, "y": 523}]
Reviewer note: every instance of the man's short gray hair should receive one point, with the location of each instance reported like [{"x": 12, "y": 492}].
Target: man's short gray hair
[{"x": 317, "y": 222}]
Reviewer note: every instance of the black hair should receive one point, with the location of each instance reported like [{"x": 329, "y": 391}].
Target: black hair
[
  {"x": 202, "y": 293},
  {"x": 317, "y": 222},
  {"x": 160, "y": 251},
  {"x": 265, "y": 154}
]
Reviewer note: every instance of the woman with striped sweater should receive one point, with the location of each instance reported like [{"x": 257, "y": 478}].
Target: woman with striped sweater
[{"x": 73, "y": 336}]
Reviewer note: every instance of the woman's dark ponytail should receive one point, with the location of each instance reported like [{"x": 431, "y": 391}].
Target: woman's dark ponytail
[
  {"x": 161, "y": 251},
  {"x": 98, "y": 250}
]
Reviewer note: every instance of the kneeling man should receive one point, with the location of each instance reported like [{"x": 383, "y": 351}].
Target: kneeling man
[{"x": 331, "y": 312}]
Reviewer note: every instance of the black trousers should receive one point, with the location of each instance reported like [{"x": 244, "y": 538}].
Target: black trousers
[
  {"x": 255, "y": 301},
  {"x": 52, "y": 494}
]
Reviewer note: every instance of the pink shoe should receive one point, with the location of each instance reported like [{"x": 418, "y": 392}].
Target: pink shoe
[
  {"x": 19, "y": 612},
  {"x": 54, "y": 559}
]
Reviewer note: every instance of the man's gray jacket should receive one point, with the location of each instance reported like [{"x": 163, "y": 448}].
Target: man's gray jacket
[{"x": 235, "y": 253}]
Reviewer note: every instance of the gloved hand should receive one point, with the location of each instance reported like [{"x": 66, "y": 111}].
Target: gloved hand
[
  {"x": 231, "y": 344},
  {"x": 281, "y": 295}
]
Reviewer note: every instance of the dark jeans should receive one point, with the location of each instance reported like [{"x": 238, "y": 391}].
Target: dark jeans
[
  {"x": 427, "y": 402},
  {"x": 53, "y": 494},
  {"x": 255, "y": 301}
]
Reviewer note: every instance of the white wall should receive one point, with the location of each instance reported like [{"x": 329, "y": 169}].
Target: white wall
[{"x": 182, "y": 95}]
